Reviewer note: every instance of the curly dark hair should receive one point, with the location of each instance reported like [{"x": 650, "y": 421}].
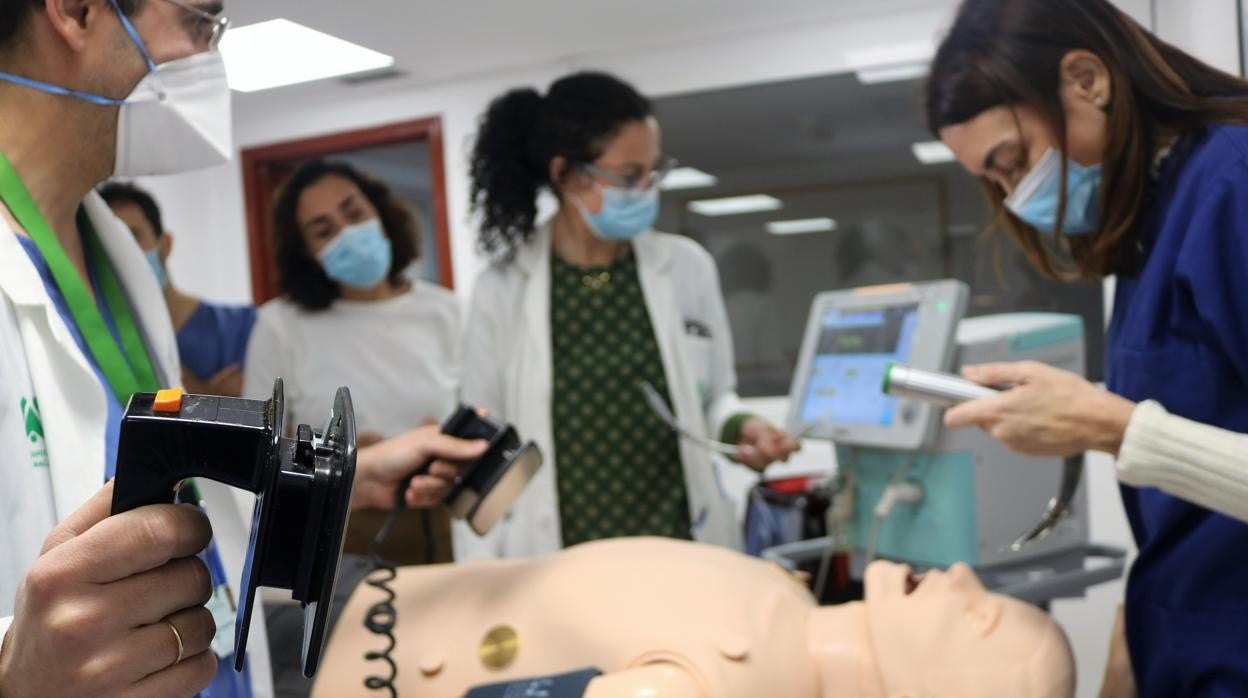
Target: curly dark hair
[
  {"x": 301, "y": 275},
  {"x": 14, "y": 13},
  {"x": 521, "y": 133}
]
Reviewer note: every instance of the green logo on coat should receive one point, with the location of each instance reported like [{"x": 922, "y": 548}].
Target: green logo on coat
[
  {"x": 34, "y": 432},
  {"x": 34, "y": 423}
]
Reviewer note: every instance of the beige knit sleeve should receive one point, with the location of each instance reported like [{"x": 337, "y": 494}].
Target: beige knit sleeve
[{"x": 1196, "y": 462}]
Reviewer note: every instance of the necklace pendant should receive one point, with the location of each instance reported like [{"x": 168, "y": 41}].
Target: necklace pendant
[{"x": 596, "y": 282}]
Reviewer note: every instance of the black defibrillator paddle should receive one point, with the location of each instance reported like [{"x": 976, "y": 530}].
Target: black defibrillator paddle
[{"x": 302, "y": 487}]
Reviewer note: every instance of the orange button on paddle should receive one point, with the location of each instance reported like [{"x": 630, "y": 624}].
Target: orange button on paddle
[{"x": 168, "y": 401}]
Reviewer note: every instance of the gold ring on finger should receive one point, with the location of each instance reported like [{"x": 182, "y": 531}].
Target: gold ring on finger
[{"x": 177, "y": 636}]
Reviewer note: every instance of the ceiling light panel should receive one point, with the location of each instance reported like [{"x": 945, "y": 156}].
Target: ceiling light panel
[
  {"x": 736, "y": 205},
  {"x": 280, "y": 52}
]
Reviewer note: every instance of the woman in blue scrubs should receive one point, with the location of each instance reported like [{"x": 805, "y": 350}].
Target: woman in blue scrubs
[{"x": 1107, "y": 152}]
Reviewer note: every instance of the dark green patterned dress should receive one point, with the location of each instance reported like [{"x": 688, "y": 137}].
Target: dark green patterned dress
[{"x": 618, "y": 465}]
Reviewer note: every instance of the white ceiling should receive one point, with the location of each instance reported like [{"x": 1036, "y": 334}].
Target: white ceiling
[{"x": 437, "y": 40}]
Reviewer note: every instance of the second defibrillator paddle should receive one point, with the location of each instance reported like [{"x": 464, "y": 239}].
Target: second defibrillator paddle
[
  {"x": 487, "y": 487},
  {"x": 481, "y": 495}
]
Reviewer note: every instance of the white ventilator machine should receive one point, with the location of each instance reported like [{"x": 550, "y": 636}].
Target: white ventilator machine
[{"x": 911, "y": 490}]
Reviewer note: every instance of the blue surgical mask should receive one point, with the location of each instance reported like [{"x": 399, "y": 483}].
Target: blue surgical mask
[
  {"x": 158, "y": 267},
  {"x": 626, "y": 213},
  {"x": 1038, "y": 197},
  {"x": 360, "y": 256}
]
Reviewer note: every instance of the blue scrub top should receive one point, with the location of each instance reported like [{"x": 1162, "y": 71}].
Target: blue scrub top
[
  {"x": 215, "y": 338},
  {"x": 1180, "y": 336},
  {"x": 226, "y": 683}
]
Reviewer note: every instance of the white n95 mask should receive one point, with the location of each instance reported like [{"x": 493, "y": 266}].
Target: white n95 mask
[{"x": 177, "y": 119}]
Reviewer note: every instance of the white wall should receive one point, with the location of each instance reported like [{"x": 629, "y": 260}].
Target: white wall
[
  {"x": 204, "y": 213},
  {"x": 1209, "y": 29},
  {"x": 1139, "y": 10}
]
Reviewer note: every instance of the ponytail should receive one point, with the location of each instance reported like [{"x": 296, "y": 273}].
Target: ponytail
[{"x": 506, "y": 178}]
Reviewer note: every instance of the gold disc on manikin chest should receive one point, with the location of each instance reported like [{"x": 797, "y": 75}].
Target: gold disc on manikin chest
[{"x": 499, "y": 648}]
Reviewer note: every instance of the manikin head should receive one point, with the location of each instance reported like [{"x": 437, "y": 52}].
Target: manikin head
[{"x": 940, "y": 636}]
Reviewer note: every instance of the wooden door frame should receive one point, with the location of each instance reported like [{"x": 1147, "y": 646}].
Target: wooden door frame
[{"x": 259, "y": 188}]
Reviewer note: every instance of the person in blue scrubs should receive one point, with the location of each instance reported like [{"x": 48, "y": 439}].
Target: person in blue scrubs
[
  {"x": 1107, "y": 152},
  {"x": 212, "y": 338}
]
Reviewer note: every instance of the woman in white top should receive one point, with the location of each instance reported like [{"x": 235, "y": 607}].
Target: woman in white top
[
  {"x": 577, "y": 313},
  {"x": 351, "y": 316}
]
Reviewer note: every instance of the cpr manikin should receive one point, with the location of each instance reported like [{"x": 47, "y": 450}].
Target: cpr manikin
[{"x": 671, "y": 619}]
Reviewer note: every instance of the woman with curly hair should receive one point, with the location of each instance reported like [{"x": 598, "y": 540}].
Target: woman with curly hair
[
  {"x": 350, "y": 315},
  {"x": 577, "y": 312}
]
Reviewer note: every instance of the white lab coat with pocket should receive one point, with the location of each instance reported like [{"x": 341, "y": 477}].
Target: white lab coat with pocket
[
  {"x": 507, "y": 370},
  {"x": 49, "y": 472}
]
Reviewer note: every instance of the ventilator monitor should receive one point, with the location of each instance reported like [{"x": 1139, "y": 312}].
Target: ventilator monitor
[{"x": 851, "y": 339}]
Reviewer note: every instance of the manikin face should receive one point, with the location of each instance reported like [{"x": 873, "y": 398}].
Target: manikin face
[{"x": 944, "y": 635}]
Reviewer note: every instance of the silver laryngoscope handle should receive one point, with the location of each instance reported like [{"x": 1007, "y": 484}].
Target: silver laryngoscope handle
[{"x": 941, "y": 389}]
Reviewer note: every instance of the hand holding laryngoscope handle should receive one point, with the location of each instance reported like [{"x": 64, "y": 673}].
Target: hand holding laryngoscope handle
[
  {"x": 940, "y": 389},
  {"x": 947, "y": 390}
]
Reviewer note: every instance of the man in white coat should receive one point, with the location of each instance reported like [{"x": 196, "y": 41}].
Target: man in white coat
[{"x": 92, "y": 605}]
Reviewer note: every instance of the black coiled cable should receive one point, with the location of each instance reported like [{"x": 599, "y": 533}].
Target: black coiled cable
[{"x": 382, "y": 615}]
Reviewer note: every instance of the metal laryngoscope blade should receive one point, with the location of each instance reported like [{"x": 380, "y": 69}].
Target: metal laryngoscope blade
[{"x": 1059, "y": 507}]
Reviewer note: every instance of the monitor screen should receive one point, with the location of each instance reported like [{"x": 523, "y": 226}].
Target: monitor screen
[{"x": 847, "y": 372}]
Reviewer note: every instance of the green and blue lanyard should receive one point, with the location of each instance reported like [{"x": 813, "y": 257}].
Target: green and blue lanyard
[{"x": 109, "y": 334}]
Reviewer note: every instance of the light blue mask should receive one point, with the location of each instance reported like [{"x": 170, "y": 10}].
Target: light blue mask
[
  {"x": 158, "y": 267},
  {"x": 360, "y": 256},
  {"x": 626, "y": 213},
  {"x": 1038, "y": 197}
]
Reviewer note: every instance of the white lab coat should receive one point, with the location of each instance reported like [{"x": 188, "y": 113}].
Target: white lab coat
[
  {"x": 507, "y": 369},
  {"x": 44, "y": 480}
]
